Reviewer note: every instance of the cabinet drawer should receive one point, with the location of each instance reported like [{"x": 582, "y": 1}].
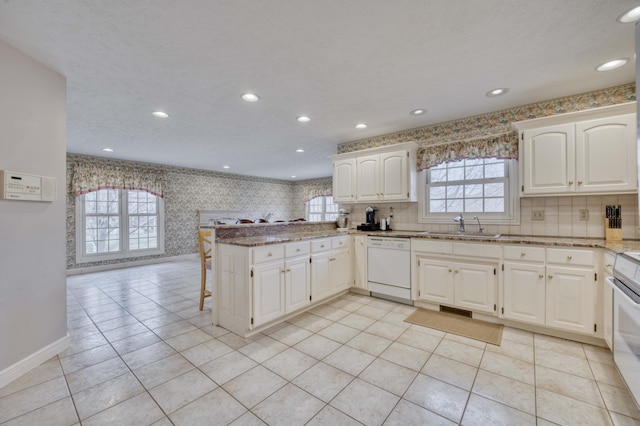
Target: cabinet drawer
[
  {"x": 268, "y": 253},
  {"x": 431, "y": 246},
  {"x": 296, "y": 249},
  {"x": 341, "y": 242},
  {"x": 477, "y": 250},
  {"x": 570, "y": 257},
  {"x": 320, "y": 244},
  {"x": 524, "y": 253}
]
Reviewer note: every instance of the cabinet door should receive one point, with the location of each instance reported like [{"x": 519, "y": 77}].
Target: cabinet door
[
  {"x": 268, "y": 292},
  {"x": 475, "y": 286},
  {"x": 360, "y": 262},
  {"x": 297, "y": 284},
  {"x": 606, "y": 158},
  {"x": 368, "y": 178},
  {"x": 321, "y": 287},
  {"x": 570, "y": 299},
  {"x": 339, "y": 270},
  {"x": 435, "y": 281},
  {"x": 524, "y": 292},
  {"x": 394, "y": 176},
  {"x": 548, "y": 160},
  {"x": 344, "y": 179}
]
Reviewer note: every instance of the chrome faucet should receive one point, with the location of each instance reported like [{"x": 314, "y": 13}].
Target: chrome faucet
[
  {"x": 460, "y": 220},
  {"x": 480, "y": 228}
]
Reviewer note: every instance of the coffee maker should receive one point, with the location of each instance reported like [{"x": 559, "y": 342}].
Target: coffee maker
[{"x": 370, "y": 220}]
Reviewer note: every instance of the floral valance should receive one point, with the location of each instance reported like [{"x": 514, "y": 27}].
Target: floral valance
[
  {"x": 317, "y": 188},
  {"x": 498, "y": 146},
  {"x": 88, "y": 177}
]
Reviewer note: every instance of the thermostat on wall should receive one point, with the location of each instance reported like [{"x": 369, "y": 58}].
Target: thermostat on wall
[{"x": 26, "y": 187}]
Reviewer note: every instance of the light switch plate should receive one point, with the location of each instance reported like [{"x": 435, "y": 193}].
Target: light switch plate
[
  {"x": 537, "y": 215},
  {"x": 584, "y": 214}
]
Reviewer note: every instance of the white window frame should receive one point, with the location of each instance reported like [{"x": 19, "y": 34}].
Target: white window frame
[
  {"x": 124, "y": 252},
  {"x": 512, "y": 202},
  {"x": 324, "y": 208}
]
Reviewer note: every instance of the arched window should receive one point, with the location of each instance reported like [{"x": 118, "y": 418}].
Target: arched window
[{"x": 322, "y": 208}]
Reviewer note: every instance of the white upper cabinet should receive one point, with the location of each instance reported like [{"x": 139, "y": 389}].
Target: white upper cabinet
[
  {"x": 588, "y": 152},
  {"x": 378, "y": 174}
]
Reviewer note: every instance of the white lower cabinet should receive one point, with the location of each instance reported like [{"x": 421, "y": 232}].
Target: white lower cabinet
[
  {"x": 268, "y": 292},
  {"x": 435, "y": 280},
  {"x": 607, "y": 300},
  {"x": 570, "y": 299},
  {"x": 297, "y": 284},
  {"x": 360, "y": 262},
  {"x": 321, "y": 288},
  {"x": 524, "y": 292},
  {"x": 330, "y": 270},
  {"x": 339, "y": 270}
]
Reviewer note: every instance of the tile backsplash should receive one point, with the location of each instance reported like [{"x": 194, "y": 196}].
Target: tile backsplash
[{"x": 561, "y": 217}]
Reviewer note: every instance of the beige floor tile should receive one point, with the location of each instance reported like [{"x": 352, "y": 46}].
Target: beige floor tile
[
  {"x": 598, "y": 354},
  {"x": 606, "y": 373},
  {"x": 313, "y": 323},
  {"x": 562, "y": 346},
  {"x": 206, "y": 352},
  {"x": 563, "y": 410},
  {"x": 87, "y": 358},
  {"x": 290, "y": 363},
  {"x": 133, "y": 343},
  {"x": 519, "y": 336},
  {"x": 508, "y": 367},
  {"x": 372, "y": 312},
  {"x": 180, "y": 391},
  {"x": 82, "y": 341},
  {"x": 356, "y": 320},
  {"x": 621, "y": 420},
  {"x": 288, "y": 406},
  {"x": 396, "y": 318},
  {"x": 125, "y": 331},
  {"x": 214, "y": 330},
  {"x": 188, "y": 340},
  {"x": 467, "y": 341},
  {"x": 346, "y": 305},
  {"x": 107, "y": 394},
  {"x": 406, "y": 356},
  {"x": 329, "y": 313},
  {"x": 263, "y": 349},
  {"x": 237, "y": 342},
  {"x": 317, "y": 346},
  {"x": 290, "y": 334},
  {"x": 427, "y": 330},
  {"x": 619, "y": 400},
  {"x": 61, "y": 412},
  {"x": 152, "y": 375},
  {"x": 247, "y": 419},
  {"x": 373, "y": 345},
  {"x": 227, "y": 367},
  {"x": 173, "y": 329},
  {"x": 330, "y": 416},
  {"x": 388, "y": 376},
  {"x": 481, "y": 411},
  {"x": 423, "y": 341},
  {"x": 254, "y": 386},
  {"x": 575, "y": 387},
  {"x": 437, "y": 396},
  {"x": 382, "y": 329},
  {"x": 46, "y": 371},
  {"x": 148, "y": 355},
  {"x": 506, "y": 391},
  {"x": 139, "y": 410},
  {"x": 365, "y": 402},
  {"x": 387, "y": 305},
  {"x": 450, "y": 371},
  {"x": 568, "y": 364},
  {"x": 459, "y": 352},
  {"x": 32, "y": 398},
  {"x": 217, "y": 404},
  {"x": 96, "y": 374},
  {"x": 407, "y": 413},
  {"x": 338, "y": 332},
  {"x": 349, "y": 360},
  {"x": 323, "y": 381},
  {"x": 513, "y": 349}
]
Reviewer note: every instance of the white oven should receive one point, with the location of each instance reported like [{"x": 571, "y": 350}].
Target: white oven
[{"x": 626, "y": 321}]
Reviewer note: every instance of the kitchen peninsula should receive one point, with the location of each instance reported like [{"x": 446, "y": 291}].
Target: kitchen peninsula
[{"x": 266, "y": 273}]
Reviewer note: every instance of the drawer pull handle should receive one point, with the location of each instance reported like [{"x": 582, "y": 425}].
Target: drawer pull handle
[
  {"x": 322, "y": 246},
  {"x": 269, "y": 255},
  {"x": 523, "y": 254},
  {"x": 541, "y": 276},
  {"x": 608, "y": 265},
  {"x": 569, "y": 258},
  {"x": 298, "y": 249}
]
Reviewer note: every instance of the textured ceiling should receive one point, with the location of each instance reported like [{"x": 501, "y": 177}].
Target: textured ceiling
[{"x": 340, "y": 62}]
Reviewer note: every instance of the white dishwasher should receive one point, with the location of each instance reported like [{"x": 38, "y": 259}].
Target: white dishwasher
[{"x": 389, "y": 268}]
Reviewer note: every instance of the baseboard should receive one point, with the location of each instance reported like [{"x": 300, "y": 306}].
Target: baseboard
[
  {"x": 111, "y": 266},
  {"x": 27, "y": 364}
]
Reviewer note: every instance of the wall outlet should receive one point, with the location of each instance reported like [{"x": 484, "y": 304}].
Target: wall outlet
[
  {"x": 584, "y": 214},
  {"x": 537, "y": 215}
]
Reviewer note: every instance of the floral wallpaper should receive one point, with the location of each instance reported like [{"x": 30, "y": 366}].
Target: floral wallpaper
[
  {"x": 188, "y": 190},
  {"x": 496, "y": 123}
]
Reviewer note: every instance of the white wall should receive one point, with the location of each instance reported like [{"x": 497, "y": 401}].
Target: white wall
[{"x": 32, "y": 234}]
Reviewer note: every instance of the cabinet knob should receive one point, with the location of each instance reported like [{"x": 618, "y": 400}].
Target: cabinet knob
[
  {"x": 570, "y": 182},
  {"x": 269, "y": 255},
  {"x": 550, "y": 277},
  {"x": 523, "y": 254},
  {"x": 297, "y": 249},
  {"x": 579, "y": 182},
  {"x": 608, "y": 265},
  {"x": 569, "y": 258},
  {"x": 321, "y": 245},
  {"x": 449, "y": 270},
  {"x": 541, "y": 276},
  {"x": 455, "y": 272}
]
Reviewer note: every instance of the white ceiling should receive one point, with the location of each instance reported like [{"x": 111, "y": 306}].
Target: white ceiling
[{"x": 340, "y": 62}]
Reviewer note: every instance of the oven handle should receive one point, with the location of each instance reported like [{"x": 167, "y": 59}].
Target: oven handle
[{"x": 622, "y": 292}]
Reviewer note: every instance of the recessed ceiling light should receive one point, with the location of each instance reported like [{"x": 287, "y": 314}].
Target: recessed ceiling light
[
  {"x": 299, "y": 150},
  {"x": 418, "y": 111},
  {"x": 612, "y": 65},
  {"x": 225, "y": 167},
  {"x": 107, "y": 149},
  {"x": 360, "y": 126},
  {"x": 303, "y": 119},
  {"x": 250, "y": 97},
  {"x": 629, "y": 16},
  {"x": 496, "y": 92},
  {"x": 293, "y": 176},
  {"x": 160, "y": 114}
]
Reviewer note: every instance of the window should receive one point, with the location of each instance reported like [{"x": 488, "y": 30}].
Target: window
[
  {"x": 321, "y": 209},
  {"x": 113, "y": 224},
  {"x": 484, "y": 187}
]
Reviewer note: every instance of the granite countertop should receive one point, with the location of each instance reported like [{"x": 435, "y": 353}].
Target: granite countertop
[{"x": 613, "y": 246}]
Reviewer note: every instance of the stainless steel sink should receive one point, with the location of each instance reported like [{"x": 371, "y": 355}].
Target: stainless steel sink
[{"x": 465, "y": 235}]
